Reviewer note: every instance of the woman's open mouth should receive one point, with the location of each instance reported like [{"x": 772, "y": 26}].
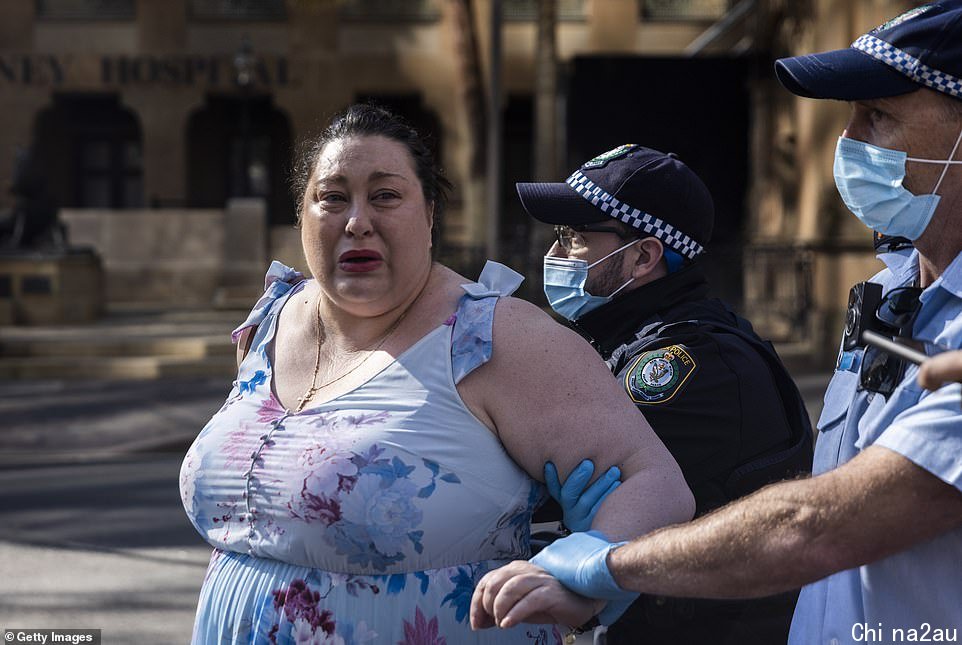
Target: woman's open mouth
[{"x": 360, "y": 261}]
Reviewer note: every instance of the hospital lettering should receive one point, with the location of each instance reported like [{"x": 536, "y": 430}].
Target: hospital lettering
[
  {"x": 122, "y": 70},
  {"x": 31, "y": 70},
  {"x": 189, "y": 70},
  {"x": 126, "y": 70}
]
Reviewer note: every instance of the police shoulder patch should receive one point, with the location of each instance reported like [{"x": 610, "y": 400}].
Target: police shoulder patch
[
  {"x": 605, "y": 157},
  {"x": 657, "y": 376}
]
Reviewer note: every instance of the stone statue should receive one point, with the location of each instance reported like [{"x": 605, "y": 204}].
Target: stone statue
[{"x": 31, "y": 224}]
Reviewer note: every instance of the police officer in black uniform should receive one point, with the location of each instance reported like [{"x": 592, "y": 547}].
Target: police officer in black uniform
[{"x": 631, "y": 225}]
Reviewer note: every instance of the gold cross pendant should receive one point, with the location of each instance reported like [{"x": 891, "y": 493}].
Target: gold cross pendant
[{"x": 307, "y": 396}]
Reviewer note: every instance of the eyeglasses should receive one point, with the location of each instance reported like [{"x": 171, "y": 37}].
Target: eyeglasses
[
  {"x": 570, "y": 238},
  {"x": 881, "y": 371}
]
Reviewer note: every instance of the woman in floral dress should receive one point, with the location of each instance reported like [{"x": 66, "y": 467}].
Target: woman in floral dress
[{"x": 376, "y": 455}]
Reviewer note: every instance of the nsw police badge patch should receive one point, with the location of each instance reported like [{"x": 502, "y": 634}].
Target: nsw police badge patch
[
  {"x": 898, "y": 20},
  {"x": 605, "y": 157},
  {"x": 657, "y": 376}
]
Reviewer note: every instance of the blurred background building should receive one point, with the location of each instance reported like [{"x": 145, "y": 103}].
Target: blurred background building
[{"x": 165, "y": 129}]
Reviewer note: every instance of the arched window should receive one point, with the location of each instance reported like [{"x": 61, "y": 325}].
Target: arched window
[{"x": 91, "y": 149}]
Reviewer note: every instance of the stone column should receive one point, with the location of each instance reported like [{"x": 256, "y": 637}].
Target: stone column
[
  {"x": 244, "y": 252},
  {"x": 163, "y": 114}
]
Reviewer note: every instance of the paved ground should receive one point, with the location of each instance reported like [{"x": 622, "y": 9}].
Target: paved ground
[
  {"x": 92, "y": 533},
  {"x": 71, "y": 420},
  {"x": 99, "y": 545}
]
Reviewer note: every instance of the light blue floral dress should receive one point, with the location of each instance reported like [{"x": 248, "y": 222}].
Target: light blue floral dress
[{"x": 370, "y": 518}]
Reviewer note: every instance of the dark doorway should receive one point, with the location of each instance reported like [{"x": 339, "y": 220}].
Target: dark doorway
[
  {"x": 91, "y": 150},
  {"x": 240, "y": 147},
  {"x": 698, "y": 108}
]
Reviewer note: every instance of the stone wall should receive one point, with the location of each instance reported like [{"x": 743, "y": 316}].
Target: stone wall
[{"x": 176, "y": 257}]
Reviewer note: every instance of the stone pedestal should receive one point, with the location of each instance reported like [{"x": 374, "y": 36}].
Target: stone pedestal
[
  {"x": 50, "y": 288},
  {"x": 244, "y": 252},
  {"x": 167, "y": 257}
]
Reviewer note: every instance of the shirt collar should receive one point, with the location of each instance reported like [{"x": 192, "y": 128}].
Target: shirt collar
[
  {"x": 903, "y": 264},
  {"x": 904, "y": 267}
]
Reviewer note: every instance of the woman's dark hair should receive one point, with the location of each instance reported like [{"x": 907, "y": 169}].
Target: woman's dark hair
[{"x": 362, "y": 119}]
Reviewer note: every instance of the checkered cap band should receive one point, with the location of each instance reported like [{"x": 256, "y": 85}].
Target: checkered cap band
[
  {"x": 909, "y": 65},
  {"x": 668, "y": 234}
]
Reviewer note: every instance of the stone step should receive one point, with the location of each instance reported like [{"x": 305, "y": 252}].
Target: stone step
[
  {"x": 115, "y": 367},
  {"x": 133, "y": 343},
  {"x": 118, "y": 346}
]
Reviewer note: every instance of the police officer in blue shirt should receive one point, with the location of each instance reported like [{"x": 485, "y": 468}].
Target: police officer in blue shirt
[
  {"x": 631, "y": 226},
  {"x": 876, "y": 533}
]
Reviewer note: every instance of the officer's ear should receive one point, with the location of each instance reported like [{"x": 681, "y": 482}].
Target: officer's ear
[{"x": 648, "y": 265}]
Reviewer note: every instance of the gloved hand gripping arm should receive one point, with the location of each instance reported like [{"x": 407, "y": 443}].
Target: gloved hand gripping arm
[{"x": 581, "y": 504}]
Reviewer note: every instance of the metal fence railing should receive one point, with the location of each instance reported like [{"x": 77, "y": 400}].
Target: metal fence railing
[
  {"x": 778, "y": 296},
  {"x": 268, "y": 10},
  {"x": 684, "y": 10},
  {"x": 522, "y": 10},
  {"x": 390, "y": 10},
  {"x": 90, "y": 10}
]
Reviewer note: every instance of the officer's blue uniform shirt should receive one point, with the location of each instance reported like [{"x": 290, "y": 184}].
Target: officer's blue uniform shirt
[{"x": 922, "y": 584}]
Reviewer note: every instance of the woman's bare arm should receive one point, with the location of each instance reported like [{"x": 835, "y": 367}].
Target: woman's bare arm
[{"x": 551, "y": 398}]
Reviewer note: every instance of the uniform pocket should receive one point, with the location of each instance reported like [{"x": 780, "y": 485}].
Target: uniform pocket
[
  {"x": 838, "y": 398},
  {"x": 882, "y": 412}
]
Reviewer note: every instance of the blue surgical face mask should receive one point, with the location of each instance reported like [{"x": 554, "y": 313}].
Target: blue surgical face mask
[
  {"x": 869, "y": 179},
  {"x": 564, "y": 285}
]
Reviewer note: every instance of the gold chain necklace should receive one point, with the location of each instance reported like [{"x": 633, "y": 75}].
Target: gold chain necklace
[{"x": 321, "y": 337}]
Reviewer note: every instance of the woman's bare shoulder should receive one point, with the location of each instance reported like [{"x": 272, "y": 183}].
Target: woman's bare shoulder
[
  {"x": 524, "y": 329},
  {"x": 518, "y": 324},
  {"x": 448, "y": 277}
]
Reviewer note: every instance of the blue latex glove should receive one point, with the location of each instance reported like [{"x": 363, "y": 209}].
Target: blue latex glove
[
  {"x": 579, "y": 562},
  {"x": 580, "y": 505}
]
